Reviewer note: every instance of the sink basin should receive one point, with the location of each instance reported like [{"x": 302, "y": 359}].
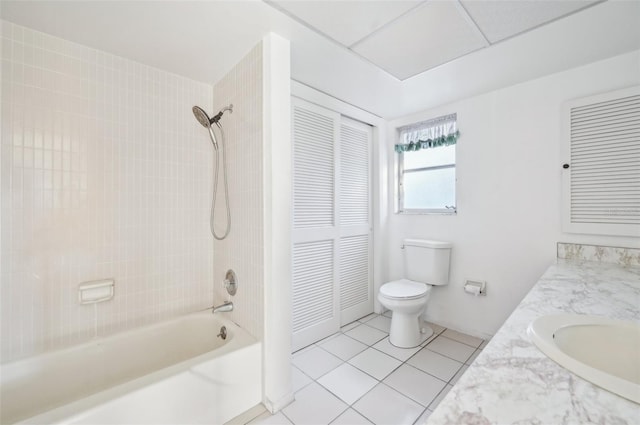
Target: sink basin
[{"x": 603, "y": 351}]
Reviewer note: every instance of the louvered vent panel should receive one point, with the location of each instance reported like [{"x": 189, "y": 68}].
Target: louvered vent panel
[
  {"x": 354, "y": 271},
  {"x": 605, "y": 162},
  {"x": 313, "y": 173},
  {"x": 312, "y": 283},
  {"x": 354, "y": 176}
]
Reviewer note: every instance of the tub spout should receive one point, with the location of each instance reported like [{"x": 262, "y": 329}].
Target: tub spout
[{"x": 223, "y": 308}]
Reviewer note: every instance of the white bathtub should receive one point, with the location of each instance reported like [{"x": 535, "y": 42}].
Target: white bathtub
[{"x": 176, "y": 372}]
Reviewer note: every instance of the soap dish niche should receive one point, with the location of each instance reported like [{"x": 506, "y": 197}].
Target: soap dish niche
[{"x": 96, "y": 291}]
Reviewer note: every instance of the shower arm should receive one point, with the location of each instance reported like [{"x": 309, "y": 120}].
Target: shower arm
[{"x": 217, "y": 117}]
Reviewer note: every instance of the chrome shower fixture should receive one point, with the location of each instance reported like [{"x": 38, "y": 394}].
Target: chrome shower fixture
[
  {"x": 203, "y": 117},
  {"x": 207, "y": 123}
]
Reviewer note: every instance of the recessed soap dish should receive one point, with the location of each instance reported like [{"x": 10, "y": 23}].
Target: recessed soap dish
[{"x": 96, "y": 291}]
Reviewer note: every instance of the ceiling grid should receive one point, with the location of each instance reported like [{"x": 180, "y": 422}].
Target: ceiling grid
[{"x": 407, "y": 38}]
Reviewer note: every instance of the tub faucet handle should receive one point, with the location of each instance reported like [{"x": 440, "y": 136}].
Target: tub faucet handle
[{"x": 231, "y": 282}]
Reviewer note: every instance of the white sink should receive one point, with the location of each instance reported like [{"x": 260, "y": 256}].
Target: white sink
[{"x": 603, "y": 351}]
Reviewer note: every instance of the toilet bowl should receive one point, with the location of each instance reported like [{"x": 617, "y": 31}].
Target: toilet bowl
[
  {"x": 426, "y": 263},
  {"x": 407, "y": 300}
]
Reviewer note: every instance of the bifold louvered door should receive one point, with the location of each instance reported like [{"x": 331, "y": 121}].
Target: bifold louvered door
[
  {"x": 356, "y": 294},
  {"x": 331, "y": 231},
  {"x": 315, "y": 296},
  {"x": 601, "y": 182}
]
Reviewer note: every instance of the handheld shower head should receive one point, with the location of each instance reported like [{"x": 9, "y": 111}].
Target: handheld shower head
[
  {"x": 207, "y": 122},
  {"x": 204, "y": 119}
]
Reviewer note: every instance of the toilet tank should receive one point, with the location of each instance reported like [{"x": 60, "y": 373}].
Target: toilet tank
[{"x": 427, "y": 261}]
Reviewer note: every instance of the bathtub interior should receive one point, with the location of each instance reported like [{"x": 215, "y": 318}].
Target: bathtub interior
[{"x": 110, "y": 367}]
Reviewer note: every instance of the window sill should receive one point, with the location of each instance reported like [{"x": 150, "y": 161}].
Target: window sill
[{"x": 427, "y": 212}]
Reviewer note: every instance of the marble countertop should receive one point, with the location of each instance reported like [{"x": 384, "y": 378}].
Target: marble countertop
[{"x": 512, "y": 382}]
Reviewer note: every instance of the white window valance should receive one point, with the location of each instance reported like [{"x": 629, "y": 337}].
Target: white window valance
[{"x": 441, "y": 131}]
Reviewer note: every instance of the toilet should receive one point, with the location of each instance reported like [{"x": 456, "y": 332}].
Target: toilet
[{"x": 426, "y": 264}]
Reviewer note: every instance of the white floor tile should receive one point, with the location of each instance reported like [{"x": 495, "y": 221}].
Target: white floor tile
[
  {"x": 463, "y": 338},
  {"x": 299, "y": 379},
  {"x": 366, "y": 334},
  {"x": 367, "y": 318},
  {"x": 349, "y": 326},
  {"x": 415, "y": 384},
  {"x": 347, "y": 382},
  {"x": 450, "y": 348},
  {"x": 383, "y": 405},
  {"x": 437, "y": 329},
  {"x": 457, "y": 376},
  {"x": 401, "y": 354},
  {"x": 473, "y": 356},
  {"x": 375, "y": 363},
  {"x": 304, "y": 349},
  {"x": 269, "y": 419},
  {"x": 438, "y": 399},
  {"x": 423, "y": 418},
  {"x": 428, "y": 340},
  {"x": 425, "y": 338},
  {"x": 435, "y": 364},
  {"x": 315, "y": 362},
  {"x": 314, "y": 405},
  {"x": 382, "y": 323},
  {"x": 406, "y": 388},
  {"x": 351, "y": 417},
  {"x": 343, "y": 346},
  {"x": 325, "y": 339}
]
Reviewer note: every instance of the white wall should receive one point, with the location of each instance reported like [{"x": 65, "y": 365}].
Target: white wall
[
  {"x": 105, "y": 174},
  {"x": 277, "y": 163},
  {"x": 508, "y": 193}
]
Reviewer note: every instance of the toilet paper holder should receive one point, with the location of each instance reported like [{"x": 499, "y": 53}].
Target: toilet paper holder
[{"x": 475, "y": 287}]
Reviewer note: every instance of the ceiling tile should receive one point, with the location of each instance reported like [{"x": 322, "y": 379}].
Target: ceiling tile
[
  {"x": 433, "y": 34},
  {"x": 346, "y": 21},
  {"x": 499, "y": 19}
]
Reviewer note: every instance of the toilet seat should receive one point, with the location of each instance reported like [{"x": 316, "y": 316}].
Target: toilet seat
[{"x": 404, "y": 289}]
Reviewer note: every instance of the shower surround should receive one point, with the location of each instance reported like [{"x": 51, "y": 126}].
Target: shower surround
[
  {"x": 243, "y": 249},
  {"x": 105, "y": 174}
]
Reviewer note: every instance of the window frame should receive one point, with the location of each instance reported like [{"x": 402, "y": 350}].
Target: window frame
[{"x": 424, "y": 211}]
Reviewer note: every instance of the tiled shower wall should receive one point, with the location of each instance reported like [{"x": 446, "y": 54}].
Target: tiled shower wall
[
  {"x": 105, "y": 174},
  {"x": 242, "y": 250}
]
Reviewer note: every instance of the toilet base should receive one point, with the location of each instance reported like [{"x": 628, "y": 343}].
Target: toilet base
[{"x": 406, "y": 330}]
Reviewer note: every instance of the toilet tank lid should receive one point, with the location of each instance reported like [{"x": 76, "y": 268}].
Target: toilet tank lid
[{"x": 427, "y": 243}]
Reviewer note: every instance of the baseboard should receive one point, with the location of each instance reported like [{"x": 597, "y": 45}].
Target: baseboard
[
  {"x": 274, "y": 406},
  {"x": 455, "y": 327}
]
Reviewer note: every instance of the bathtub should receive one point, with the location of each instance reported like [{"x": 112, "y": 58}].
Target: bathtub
[{"x": 176, "y": 372}]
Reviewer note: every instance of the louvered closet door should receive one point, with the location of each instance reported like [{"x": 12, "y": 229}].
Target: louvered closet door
[
  {"x": 332, "y": 282},
  {"x": 602, "y": 165},
  {"x": 316, "y": 313},
  {"x": 356, "y": 291}
]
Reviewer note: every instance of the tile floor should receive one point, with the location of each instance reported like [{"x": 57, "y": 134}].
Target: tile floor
[{"x": 357, "y": 377}]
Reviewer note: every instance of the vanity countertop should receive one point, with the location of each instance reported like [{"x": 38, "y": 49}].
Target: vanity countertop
[{"x": 511, "y": 381}]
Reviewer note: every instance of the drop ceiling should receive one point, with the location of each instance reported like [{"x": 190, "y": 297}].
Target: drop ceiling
[
  {"x": 389, "y": 57},
  {"x": 406, "y": 38}
]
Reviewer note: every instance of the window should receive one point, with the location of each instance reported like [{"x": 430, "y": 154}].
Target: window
[{"x": 427, "y": 166}]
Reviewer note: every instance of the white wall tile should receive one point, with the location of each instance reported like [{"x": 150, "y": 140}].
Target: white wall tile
[
  {"x": 242, "y": 250},
  {"x": 105, "y": 174}
]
